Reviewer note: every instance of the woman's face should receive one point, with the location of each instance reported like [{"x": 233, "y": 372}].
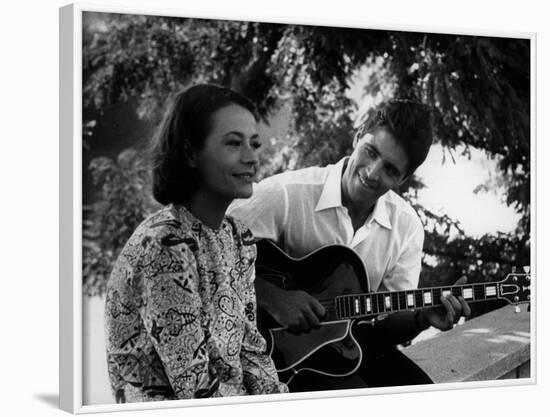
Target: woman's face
[{"x": 228, "y": 161}]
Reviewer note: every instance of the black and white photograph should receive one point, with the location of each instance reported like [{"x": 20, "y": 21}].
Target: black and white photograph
[{"x": 273, "y": 210}]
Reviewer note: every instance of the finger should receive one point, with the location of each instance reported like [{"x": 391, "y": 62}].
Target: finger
[
  {"x": 457, "y": 307},
  {"x": 318, "y": 308},
  {"x": 466, "y": 310},
  {"x": 450, "y": 316},
  {"x": 310, "y": 319},
  {"x": 294, "y": 328},
  {"x": 462, "y": 280},
  {"x": 305, "y": 328},
  {"x": 298, "y": 324}
]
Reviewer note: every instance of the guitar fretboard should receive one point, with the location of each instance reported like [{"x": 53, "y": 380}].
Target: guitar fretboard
[{"x": 359, "y": 305}]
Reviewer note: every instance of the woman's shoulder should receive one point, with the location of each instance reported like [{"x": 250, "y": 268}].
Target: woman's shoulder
[
  {"x": 163, "y": 227},
  {"x": 163, "y": 233},
  {"x": 240, "y": 230},
  {"x": 168, "y": 218}
]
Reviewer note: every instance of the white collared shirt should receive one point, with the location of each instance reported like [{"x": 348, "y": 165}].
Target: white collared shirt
[{"x": 302, "y": 211}]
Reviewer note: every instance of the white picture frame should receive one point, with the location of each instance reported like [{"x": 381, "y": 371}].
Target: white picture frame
[{"x": 70, "y": 291}]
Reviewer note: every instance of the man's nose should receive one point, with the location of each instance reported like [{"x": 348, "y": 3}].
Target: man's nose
[{"x": 373, "y": 169}]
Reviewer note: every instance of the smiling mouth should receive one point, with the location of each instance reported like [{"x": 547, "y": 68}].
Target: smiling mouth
[
  {"x": 365, "y": 183},
  {"x": 246, "y": 177}
]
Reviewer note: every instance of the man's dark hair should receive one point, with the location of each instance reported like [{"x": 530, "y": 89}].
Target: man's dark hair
[
  {"x": 408, "y": 121},
  {"x": 183, "y": 130}
]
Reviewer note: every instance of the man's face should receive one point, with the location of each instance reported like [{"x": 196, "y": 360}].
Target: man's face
[{"x": 378, "y": 163}]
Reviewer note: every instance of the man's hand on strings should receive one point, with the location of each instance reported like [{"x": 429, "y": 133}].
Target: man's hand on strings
[{"x": 446, "y": 316}]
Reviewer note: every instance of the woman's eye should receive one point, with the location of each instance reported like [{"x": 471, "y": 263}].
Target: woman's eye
[{"x": 256, "y": 145}]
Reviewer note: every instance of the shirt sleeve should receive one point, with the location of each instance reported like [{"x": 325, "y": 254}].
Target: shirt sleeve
[
  {"x": 259, "y": 373},
  {"x": 405, "y": 273},
  {"x": 265, "y": 213},
  {"x": 172, "y": 318}
]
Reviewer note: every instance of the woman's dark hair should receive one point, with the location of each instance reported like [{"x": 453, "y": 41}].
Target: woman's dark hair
[
  {"x": 409, "y": 122},
  {"x": 183, "y": 130}
]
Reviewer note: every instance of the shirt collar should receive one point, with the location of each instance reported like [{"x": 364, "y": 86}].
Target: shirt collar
[
  {"x": 380, "y": 212},
  {"x": 331, "y": 196}
]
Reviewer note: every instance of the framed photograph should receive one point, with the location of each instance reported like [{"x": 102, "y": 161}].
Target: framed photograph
[{"x": 387, "y": 184}]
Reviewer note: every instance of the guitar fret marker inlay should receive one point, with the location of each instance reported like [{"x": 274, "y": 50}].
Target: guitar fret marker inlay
[
  {"x": 490, "y": 291},
  {"x": 369, "y": 305},
  {"x": 410, "y": 300},
  {"x": 356, "y": 305},
  {"x": 467, "y": 293},
  {"x": 427, "y": 297},
  {"x": 387, "y": 302},
  {"x": 446, "y": 293}
]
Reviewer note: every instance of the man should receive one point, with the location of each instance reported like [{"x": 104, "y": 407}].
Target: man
[{"x": 352, "y": 203}]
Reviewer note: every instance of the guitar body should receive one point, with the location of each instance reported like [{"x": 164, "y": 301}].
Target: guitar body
[
  {"x": 336, "y": 276},
  {"x": 324, "y": 274}
]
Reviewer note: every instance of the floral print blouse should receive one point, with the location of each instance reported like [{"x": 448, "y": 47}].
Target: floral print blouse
[{"x": 180, "y": 314}]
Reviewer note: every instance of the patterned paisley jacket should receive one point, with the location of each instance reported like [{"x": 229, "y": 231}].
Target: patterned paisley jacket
[{"x": 180, "y": 314}]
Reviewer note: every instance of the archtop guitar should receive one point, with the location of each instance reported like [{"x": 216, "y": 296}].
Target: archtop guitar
[{"x": 335, "y": 275}]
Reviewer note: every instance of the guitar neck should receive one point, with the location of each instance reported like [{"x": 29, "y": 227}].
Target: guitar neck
[{"x": 361, "y": 305}]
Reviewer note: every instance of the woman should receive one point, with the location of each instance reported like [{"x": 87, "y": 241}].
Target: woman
[{"x": 180, "y": 310}]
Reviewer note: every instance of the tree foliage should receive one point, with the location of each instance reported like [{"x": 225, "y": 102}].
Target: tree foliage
[
  {"x": 124, "y": 200},
  {"x": 477, "y": 88}
]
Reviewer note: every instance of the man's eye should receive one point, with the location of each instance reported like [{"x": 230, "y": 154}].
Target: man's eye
[
  {"x": 392, "y": 171},
  {"x": 370, "y": 152}
]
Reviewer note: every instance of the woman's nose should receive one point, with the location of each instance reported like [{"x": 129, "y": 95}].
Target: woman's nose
[{"x": 249, "y": 155}]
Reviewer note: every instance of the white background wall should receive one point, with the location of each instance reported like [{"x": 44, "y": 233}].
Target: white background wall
[{"x": 29, "y": 178}]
